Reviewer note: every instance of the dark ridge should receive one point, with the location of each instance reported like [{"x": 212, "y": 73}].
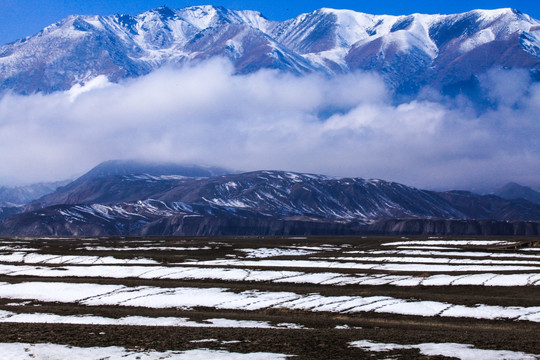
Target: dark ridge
[{"x": 513, "y": 191}]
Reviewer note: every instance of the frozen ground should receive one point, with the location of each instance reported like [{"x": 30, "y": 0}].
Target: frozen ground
[{"x": 243, "y": 298}]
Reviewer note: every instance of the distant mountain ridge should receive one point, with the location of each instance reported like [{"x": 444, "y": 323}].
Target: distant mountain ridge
[
  {"x": 135, "y": 167},
  {"x": 106, "y": 201},
  {"x": 278, "y": 193},
  {"x": 91, "y": 187},
  {"x": 23, "y": 194},
  {"x": 515, "y": 191},
  {"x": 447, "y": 52},
  {"x": 14, "y": 198}
]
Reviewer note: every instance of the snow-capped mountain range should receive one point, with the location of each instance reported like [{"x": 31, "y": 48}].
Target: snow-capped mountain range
[{"x": 410, "y": 51}]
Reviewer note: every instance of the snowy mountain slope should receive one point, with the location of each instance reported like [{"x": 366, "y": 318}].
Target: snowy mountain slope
[
  {"x": 80, "y": 48},
  {"x": 275, "y": 193},
  {"x": 409, "y": 51},
  {"x": 287, "y": 194},
  {"x": 127, "y": 180},
  {"x": 270, "y": 193},
  {"x": 155, "y": 218},
  {"x": 270, "y": 203},
  {"x": 116, "y": 197}
]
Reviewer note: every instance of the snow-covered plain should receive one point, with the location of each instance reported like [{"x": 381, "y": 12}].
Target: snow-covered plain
[
  {"x": 221, "y": 298},
  {"x": 389, "y": 266},
  {"x": 32, "y": 258},
  {"x": 390, "y": 263},
  {"x": 431, "y": 260},
  {"x": 271, "y": 252},
  {"x": 292, "y": 277},
  {"x": 147, "y": 248},
  {"x": 17, "y": 351},
  {"x": 460, "y": 351},
  {"x": 187, "y": 275},
  {"x": 459, "y": 254},
  {"x": 451, "y": 243},
  {"x": 44, "y": 318}
]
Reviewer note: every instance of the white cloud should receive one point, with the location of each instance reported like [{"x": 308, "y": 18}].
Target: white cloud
[
  {"x": 342, "y": 126},
  {"x": 99, "y": 82}
]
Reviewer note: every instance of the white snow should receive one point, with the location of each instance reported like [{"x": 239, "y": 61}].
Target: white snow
[
  {"x": 453, "y": 350},
  {"x": 352, "y": 25},
  {"x": 222, "y": 298},
  {"x": 530, "y": 249},
  {"x": 230, "y": 203},
  {"x": 17, "y": 248},
  {"x": 44, "y": 318},
  {"x": 459, "y": 254},
  {"x": 323, "y": 247},
  {"x": 480, "y": 38},
  {"x": 431, "y": 260},
  {"x": 201, "y": 17},
  {"x": 32, "y": 258},
  {"x": 451, "y": 243},
  {"x": 147, "y": 248},
  {"x": 416, "y": 267},
  {"x": 17, "y": 351},
  {"x": 426, "y": 248},
  {"x": 154, "y": 177},
  {"x": 295, "y": 277},
  {"x": 272, "y": 252},
  {"x": 230, "y": 184}
]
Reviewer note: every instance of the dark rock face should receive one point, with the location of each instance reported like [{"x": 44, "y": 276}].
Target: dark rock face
[
  {"x": 228, "y": 224},
  {"x": 454, "y": 227},
  {"x": 443, "y": 51}
]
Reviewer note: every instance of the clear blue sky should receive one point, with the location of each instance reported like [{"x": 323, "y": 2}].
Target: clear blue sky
[{"x": 19, "y": 18}]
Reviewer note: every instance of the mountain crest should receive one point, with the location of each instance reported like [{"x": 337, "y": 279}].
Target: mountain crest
[
  {"x": 409, "y": 51},
  {"x": 131, "y": 197}
]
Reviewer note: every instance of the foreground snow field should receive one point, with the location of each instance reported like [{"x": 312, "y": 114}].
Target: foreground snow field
[
  {"x": 17, "y": 351},
  {"x": 269, "y": 298},
  {"x": 222, "y": 298},
  {"x": 460, "y": 351}
]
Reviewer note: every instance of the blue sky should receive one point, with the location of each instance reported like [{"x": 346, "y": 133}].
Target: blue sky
[{"x": 19, "y": 18}]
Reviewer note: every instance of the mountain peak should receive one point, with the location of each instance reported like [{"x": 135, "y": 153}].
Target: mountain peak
[
  {"x": 514, "y": 191},
  {"x": 138, "y": 167},
  {"x": 409, "y": 51},
  {"x": 165, "y": 11}
]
